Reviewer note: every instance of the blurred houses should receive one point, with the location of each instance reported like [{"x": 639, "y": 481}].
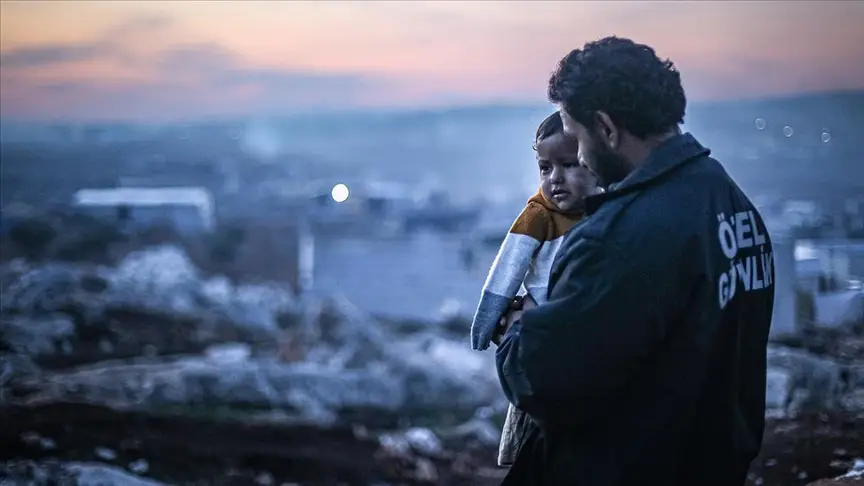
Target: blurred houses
[
  {"x": 819, "y": 264},
  {"x": 831, "y": 271},
  {"x": 855, "y": 215},
  {"x": 818, "y": 283},
  {"x": 785, "y": 318},
  {"x": 432, "y": 192},
  {"x": 374, "y": 207},
  {"x": 187, "y": 209},
  {"x": 801, "y": 213}
]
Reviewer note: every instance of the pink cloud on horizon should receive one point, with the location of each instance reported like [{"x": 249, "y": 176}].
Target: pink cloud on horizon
[{"x": 151, "y": 60}]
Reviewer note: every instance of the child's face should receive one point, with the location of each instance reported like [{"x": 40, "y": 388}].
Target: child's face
[{"x": 563, "y": 181}]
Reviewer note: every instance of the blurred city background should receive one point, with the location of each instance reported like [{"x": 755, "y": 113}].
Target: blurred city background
[{"x": 241, "y": 242}]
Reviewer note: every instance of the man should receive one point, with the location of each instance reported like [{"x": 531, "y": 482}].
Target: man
[{"x": 647, "y": 363}]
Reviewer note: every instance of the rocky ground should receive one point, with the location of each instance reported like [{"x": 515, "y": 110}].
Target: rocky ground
[
  {"x": 147, "y": 373},
  {"x": 211, "y": 451},
  {"x": 798, "y": 450}
]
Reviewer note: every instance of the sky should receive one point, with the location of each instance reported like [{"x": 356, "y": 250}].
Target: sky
[{"x": 175, "y": 60}]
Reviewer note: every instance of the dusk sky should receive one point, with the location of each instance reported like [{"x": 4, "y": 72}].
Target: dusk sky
[{"x": 153, "y": 60}]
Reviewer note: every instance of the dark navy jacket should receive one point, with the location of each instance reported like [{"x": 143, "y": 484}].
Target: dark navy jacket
[{"x": 648, "y": 362}]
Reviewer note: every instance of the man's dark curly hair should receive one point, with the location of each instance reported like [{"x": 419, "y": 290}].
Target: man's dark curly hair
[{"x": 640, "y": 92}]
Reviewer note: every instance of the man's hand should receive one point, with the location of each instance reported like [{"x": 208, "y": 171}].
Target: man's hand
[{"x": 519, "y": 305}]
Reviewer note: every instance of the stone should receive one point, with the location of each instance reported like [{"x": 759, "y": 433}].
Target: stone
[
  {"x": 40, "y": 336},
  {"x": 55, "y": 473},
  {"x": 778, "y": 390},
  {"x": 816, "y": 382}
]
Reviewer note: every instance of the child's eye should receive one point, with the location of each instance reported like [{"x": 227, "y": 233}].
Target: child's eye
[{"x": 544, "y": 169}]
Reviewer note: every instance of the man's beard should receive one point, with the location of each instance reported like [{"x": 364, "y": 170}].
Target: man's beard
[{"x": 609, "y": 167}]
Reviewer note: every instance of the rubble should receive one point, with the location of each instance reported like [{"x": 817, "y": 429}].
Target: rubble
[
  {"x": 150, "y": 369},
  {"x": 855, "y": 476},
  {"x": 216, "y": 451}
]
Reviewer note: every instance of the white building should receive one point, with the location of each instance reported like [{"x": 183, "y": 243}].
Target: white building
[
  {"x": 801, "y": 213},
  {"x": 784, "y": 321},
  {"x": 187, "y": 208},
  {"x": 826, "y": 269}
]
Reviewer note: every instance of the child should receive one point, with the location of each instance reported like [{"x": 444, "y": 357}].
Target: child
[{"x": 525, "y": 257}]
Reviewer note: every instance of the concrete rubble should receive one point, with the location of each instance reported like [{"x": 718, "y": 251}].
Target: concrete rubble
[{"x": 95, "y": 360}]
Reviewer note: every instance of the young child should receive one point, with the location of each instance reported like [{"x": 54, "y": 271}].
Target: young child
[{"x": 525, "y": 257}]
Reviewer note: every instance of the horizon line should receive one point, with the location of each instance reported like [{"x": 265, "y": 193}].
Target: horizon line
[{"x": 397, "y": 110}]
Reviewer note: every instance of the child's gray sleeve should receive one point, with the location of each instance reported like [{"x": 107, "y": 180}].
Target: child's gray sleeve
[{"x": 507, "y": 274}]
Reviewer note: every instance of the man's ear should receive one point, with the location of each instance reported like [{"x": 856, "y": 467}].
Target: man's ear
[{"x": 607, "y": 130}]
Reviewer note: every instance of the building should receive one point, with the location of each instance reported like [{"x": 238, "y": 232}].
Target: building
[
  {"x": 784, "y": 321},
  {"x": 802, "y": 213},
  {"x": 188, "y": 209},
  {"x": 828, "y": 271},
  {"x": 840, "y": 257}
]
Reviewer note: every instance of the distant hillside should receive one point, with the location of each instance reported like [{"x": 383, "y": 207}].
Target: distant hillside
[
  {"x": 474, "y": 151},
  {"x": 485, "y": 149},
  {"x": 802, "y": 165}
]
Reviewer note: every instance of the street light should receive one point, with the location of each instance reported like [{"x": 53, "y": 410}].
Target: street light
[{"x": 340, "y": 193}]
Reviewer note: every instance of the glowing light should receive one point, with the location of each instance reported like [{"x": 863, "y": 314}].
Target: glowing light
[{"x": 340, "y": 193}]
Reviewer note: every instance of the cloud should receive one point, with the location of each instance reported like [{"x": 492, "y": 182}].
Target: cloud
[
  {"x": 140, "y": 24},
  {"x": 213, "y": 65},
  {"x": 392, "y": 53},
  {"x": 202, "y": 78},
  {"x": 107, "y": 45},
  {"x": 196, "y": 57},
  {"x": 46, "y": 55},
  {"x": 210, "y": 68}
]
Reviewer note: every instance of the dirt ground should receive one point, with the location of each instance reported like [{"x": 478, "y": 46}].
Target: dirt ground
[
  {"x": 800, "y": 451},
  {"x": 186, "y": 451}
]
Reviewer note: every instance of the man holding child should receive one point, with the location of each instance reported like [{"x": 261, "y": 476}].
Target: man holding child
[{"x": 646, "y": 360}]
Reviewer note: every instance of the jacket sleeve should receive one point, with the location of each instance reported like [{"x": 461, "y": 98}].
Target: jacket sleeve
[
  {"x": 507, "y": 274},
  {"x": 563, "y": 360}
]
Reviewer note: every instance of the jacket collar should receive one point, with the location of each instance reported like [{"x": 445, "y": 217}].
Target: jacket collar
[
  {"x": 540, "y": 199},
  {"x": 668, "y": 156}
]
